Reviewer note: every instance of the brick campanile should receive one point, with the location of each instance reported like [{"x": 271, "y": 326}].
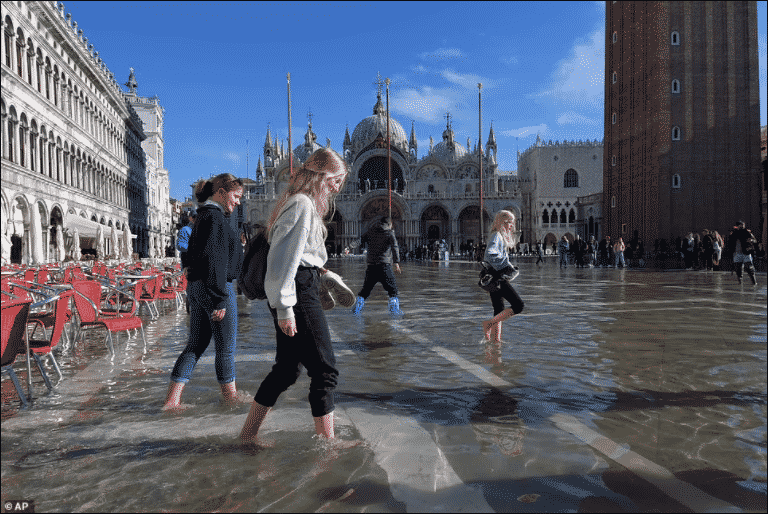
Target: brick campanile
[{"x": 682, "y": 118}]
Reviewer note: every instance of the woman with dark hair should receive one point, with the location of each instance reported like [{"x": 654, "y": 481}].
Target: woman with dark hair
[
  {"x": 214, "y": 257},
  {"x": 297, "y": 253}
]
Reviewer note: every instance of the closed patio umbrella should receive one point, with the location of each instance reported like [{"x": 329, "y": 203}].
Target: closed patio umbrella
[
  {"x": 100, "y": 243},
  {"x": 75, "y": 251},
  {"x": 115, "y": 250},
  {"x": 127, "y": 249},
  {"x": 60, "y": 250}
]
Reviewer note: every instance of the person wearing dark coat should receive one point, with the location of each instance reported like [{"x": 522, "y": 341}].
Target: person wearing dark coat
[
  {"x": 383, "y": 255},
  {"x": 741, "y": 245},
  {"x": 214, "y": 258}
]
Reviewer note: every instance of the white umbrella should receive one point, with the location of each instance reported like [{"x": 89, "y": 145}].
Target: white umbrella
[
  {"x": 151, "y": 249},
  {"x": 100, "y": 243},
  {"x": 115, "y": 250},
  {"x": 75, "y": 251},
  {"x": 37, "y": 236},
  {"x": 5, "y": 251},
  {"x": 127, "y": 249},
  {"x": 60, "y": 251}
]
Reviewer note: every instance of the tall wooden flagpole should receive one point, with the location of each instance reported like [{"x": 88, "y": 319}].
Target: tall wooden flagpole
[
  {"x": 290, "y": 141},
  {"x": 480, "y": 154},
  {"x": 389, "y": 157}
]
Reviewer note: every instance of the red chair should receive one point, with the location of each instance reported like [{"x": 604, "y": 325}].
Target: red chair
[
  {"x": 170, "y": 289},
  {"x": 147, "y": 290},
  {"x": 14, "y": 325},
  {"x": 45, "y": 345},
  {"x": 29, "y": 275},
  {"x": 88, "y": 301}
]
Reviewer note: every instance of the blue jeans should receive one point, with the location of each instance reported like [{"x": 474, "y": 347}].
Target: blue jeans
[
  {"x": 201, "y": 329},
  {"x": 620, "y": 257}
]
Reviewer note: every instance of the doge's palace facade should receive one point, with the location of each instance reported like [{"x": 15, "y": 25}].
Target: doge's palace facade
[{"x": 71, "y": 145}]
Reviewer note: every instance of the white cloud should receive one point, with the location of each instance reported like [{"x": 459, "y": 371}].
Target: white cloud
[
  {"x": 580, "y": 77},
  {"x": 510, "y": 60},
  {"x": 425, "y": 104},
  {"x": 574, "y": 118},
  {"x": 540, "y": 129},
  {"x": 442, "y": 53},
  {"x": 232, "y": 157},
  {"x": 468, "y": 80}
]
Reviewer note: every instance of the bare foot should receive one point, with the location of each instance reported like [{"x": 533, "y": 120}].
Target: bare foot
[
  {"x": 487, "y": 327},
  {"x": 239, "y": 397},
  {"x": 177, "y": 407}
]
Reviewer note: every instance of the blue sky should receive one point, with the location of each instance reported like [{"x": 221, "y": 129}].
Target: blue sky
[{"x": 219, "y": 70}]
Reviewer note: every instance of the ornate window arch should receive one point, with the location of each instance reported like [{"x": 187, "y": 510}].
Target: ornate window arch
[
  {"x": 677, "y": 183},
  {"x": 675, "y": 86},
  {"x": 675, "y": 38},
  {"x": 675, "y": 133},
  {"x": 571, "y": 178},
  {"x": 545, "y": 216}
]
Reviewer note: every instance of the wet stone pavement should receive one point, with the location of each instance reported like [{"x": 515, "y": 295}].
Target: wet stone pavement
[{"x": 615, "y": 391}]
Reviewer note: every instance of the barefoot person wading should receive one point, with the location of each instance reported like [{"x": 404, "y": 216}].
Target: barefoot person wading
[
  {"x": 500, "y": 240},
  {"x": 294, "y": 264}
]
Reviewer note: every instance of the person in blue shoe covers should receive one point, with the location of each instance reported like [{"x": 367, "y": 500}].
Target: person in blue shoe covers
[
  {"x": 500, "y": 239},
  {"x": 295, "y": 261},
  {"x": 383, "y": 256}
]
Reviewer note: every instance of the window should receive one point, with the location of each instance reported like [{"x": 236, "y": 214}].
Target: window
[
  {"x": 675, "y": 38},
  {"x": 623, "y": 228},
  {"x": 615, "y": 36},
  {"x": 675, "y": 133},
  {"x": 675, "y": 86},
  {"x": 562, "y": 217},
  {"x": 613, "y": 160},
  {"x": 572, "y": 217},
  {"x": 613, "y": 118},
  {"x": 571, "y": 178},
  {"x": 614, "y": 78},
  {"x": 545, "y": 216},
  {"x": 613, "y": 201},
  {"x": 676, "y": 184}
]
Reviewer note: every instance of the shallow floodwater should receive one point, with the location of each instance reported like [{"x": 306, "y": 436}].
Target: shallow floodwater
[{"x": 668, "y": 364}]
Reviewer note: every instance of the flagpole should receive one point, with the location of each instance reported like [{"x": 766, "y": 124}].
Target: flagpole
[
  {"x": 290, "y": 141},
  {"x": 389, "y": 157},
  {"x": 480, "y": 154}
]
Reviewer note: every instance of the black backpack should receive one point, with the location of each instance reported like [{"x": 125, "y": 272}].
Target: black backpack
[{"x": 254, "y": 269}]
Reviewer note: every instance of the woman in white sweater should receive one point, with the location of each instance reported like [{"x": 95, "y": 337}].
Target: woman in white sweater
[{"x": 295, "y": 261}]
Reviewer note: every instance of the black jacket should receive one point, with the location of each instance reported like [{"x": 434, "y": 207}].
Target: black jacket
[
  {"x": 382, "y": 245},
  {"x": 747, "y": 241},
  {"x": 214, "y": 255}
]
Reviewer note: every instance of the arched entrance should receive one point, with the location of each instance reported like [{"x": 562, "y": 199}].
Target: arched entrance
[
  {"x": 550, "y": 242},
  {"x": 19, "y": 230},
  {"x": 374, "y": 170},
  {"x": 469, "y": 224},
  {"x": 435, "y": 223},
  {"x": 378, "y": 207},
  {"x": 335, "y": 232}
]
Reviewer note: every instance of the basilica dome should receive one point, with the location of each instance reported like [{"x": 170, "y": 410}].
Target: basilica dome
[
  {"x": 308, "y": 147},
  {"x": 367, "y": 130},
  {"x": 448, "y": 150}
]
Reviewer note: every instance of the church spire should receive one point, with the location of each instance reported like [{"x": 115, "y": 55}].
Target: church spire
[
  {"x": 132, "y": 84},
  {"x": 268, "y": 142}
]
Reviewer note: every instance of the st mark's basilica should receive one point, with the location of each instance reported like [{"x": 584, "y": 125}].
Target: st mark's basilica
[{"x": 436, "y": 196}]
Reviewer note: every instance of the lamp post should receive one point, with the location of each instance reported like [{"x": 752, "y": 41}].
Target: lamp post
[{"x": 480, "y": 153}]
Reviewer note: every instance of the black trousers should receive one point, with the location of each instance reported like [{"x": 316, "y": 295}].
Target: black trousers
[
  {"x": 310, "y": 347},
  {"x": 508, "y": 293},
  {"x": 376, "y": 273}
]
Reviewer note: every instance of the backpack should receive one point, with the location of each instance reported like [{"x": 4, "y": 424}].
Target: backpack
[{"x": 254, "y": 269}]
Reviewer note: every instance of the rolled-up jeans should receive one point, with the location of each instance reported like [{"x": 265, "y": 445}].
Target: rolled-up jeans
[{"x": 201, "y": 329}]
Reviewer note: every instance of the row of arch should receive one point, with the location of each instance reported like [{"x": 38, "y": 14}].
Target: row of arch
[
  {"x": 43, "y": 76},
  {"x": 39, "y": 149},
  {"x": 564, "y": 218}
]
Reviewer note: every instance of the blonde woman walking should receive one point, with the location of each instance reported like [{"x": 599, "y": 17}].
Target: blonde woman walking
[
  {"x": 502, "y": 237},
  {"x": 295, "y": 262}
]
